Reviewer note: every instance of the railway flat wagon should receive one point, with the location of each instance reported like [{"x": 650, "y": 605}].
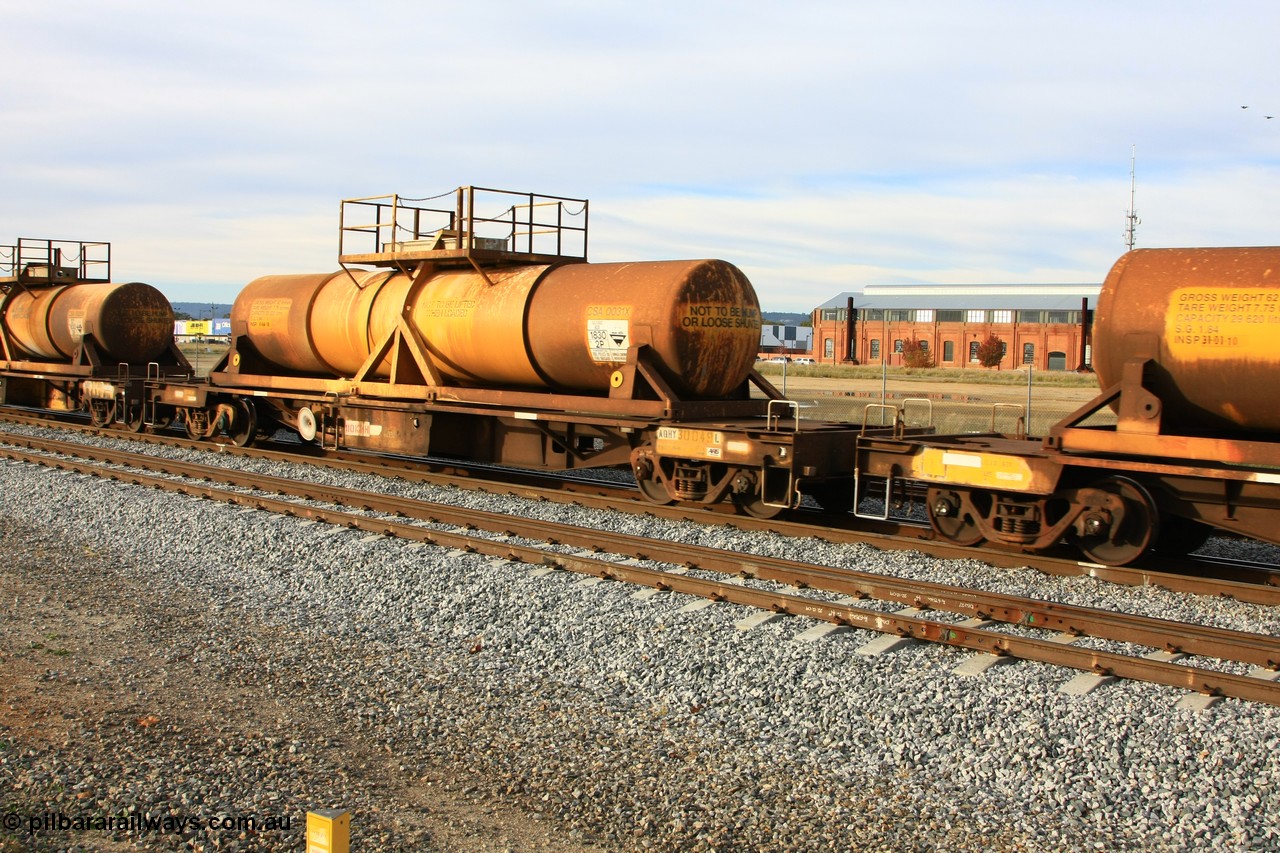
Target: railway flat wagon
[
  {"x": 1187, "y": 354},
  {"x": 72, "y": 340},
  {"x": 472, "y": 326}
]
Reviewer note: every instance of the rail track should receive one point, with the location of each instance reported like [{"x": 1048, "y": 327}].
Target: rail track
[
  {"x": 1238, "y": 579},
  {"x": 998, "y": 626}
]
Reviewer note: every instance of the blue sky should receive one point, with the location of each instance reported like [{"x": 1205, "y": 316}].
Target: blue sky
[{"x": 819, "y": 146}]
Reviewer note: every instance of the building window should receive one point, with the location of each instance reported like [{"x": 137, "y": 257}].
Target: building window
[
  {"x": 897, "y": 345},
  {"x": 973, "y": 351},
  {"x": 1005, "y": 316},
  {"x": 1028, "y": 353},
  {"x": 1029, "y": 316},
  {"x": 1056, "y": 316},
  {"x": 829, "y": 347},
  {"x": 972, "y": 316},
  {"x": 1004, "y": 349},
  {"x": 828, "y": 314},
  {"x": 924, "y": 346},
  {"x": 948, "y": 350},
  {"x": 873, "y": 313},
  {"x": 924, "y": 315},
  {"x": 899, "y": 315},
  {"x": 950, "y": 316},
  {"x": 875, "y": 348}
]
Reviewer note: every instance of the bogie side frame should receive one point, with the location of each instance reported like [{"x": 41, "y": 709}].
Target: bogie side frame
[{"x": 1116, "y": 492}]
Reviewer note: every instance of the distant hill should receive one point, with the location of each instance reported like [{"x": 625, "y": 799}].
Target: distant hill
[
  {"x": 784, "y": 318},
  {"x": 200, "y": 310}
]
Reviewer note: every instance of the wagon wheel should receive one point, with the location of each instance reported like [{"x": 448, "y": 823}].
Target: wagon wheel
[
  {"x": 243, "y": 426},
  {"x": 951, "y": 517},
  {"x": 653, "y": 491},
  {"x": 754, "y": 506},
  {"x": 1127, "y": 539}
]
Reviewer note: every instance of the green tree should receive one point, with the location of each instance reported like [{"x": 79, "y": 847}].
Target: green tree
[
  {"x": 991, "y": 351},
  {"x": 914, "y": 354}
]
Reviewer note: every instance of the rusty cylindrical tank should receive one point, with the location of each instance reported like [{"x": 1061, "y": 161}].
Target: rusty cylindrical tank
[
  {"x": 564, "y": 327},
  {"x": 1211, "y": 318},
  {"x": 131, "y": 322}
]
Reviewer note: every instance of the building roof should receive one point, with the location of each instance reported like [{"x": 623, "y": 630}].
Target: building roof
[
  {"x": 782, "y": 335},
  {"x": 1049, "y": 297}
]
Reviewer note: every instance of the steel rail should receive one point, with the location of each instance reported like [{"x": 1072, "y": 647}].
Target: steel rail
[
  {"x": 1258, "y": 649},
  {"x": 1262, "y": 650},
  {"x": 1250, "y": 592},
  {"x": 1258, "y": 585}
]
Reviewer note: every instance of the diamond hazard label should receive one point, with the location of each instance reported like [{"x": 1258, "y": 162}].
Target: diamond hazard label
[
  {"x": 608, "y": 333},
  {"x": 608, "y": 340}
]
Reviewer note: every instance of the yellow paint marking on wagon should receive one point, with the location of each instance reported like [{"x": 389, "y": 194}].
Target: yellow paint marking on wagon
[
  {"x": 690, "y": 443},
  {"x": 994, "y": 470},
  {"x": 965, "y": 460},
  {"x": 1220, "y": 323}
]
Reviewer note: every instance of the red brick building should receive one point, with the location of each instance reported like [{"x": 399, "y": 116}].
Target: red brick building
[{"x": 1044, "y": 325}]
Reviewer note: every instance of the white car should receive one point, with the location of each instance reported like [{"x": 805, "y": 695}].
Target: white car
[{"x": 804, "y": 361}]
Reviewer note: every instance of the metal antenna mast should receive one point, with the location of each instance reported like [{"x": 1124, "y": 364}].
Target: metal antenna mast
[{"x": 1131, "y": 218}]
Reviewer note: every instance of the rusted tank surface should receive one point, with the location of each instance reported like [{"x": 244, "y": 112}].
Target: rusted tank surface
[
  {"x": 130, "y": 322},
  {"x": 701, "y": 318},
  {"x": 477, "y": 331},
  {"x": 1211, "y": 318},
  {"x": 319, "y": 323},
  {"x": 565, "y": 327}
]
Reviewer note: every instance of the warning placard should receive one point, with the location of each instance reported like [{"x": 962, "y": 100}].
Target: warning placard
[
  {"x": 608, "y": 333},
  {"x": 608, "y": 339},
  {"x": 75, "y": 324}
]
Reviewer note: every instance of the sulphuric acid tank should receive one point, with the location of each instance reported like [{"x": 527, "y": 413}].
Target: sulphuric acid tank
[
  {"x": 130, "y": 322},
  {"x": 1211, "y": 319},
  {"x": 565, "y": 327}
]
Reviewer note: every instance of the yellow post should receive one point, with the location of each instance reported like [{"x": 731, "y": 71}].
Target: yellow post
[{"x": 329, "y": 831}]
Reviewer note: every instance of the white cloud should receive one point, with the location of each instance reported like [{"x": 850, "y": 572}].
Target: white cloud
[{"x": 819, "y": 148}]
